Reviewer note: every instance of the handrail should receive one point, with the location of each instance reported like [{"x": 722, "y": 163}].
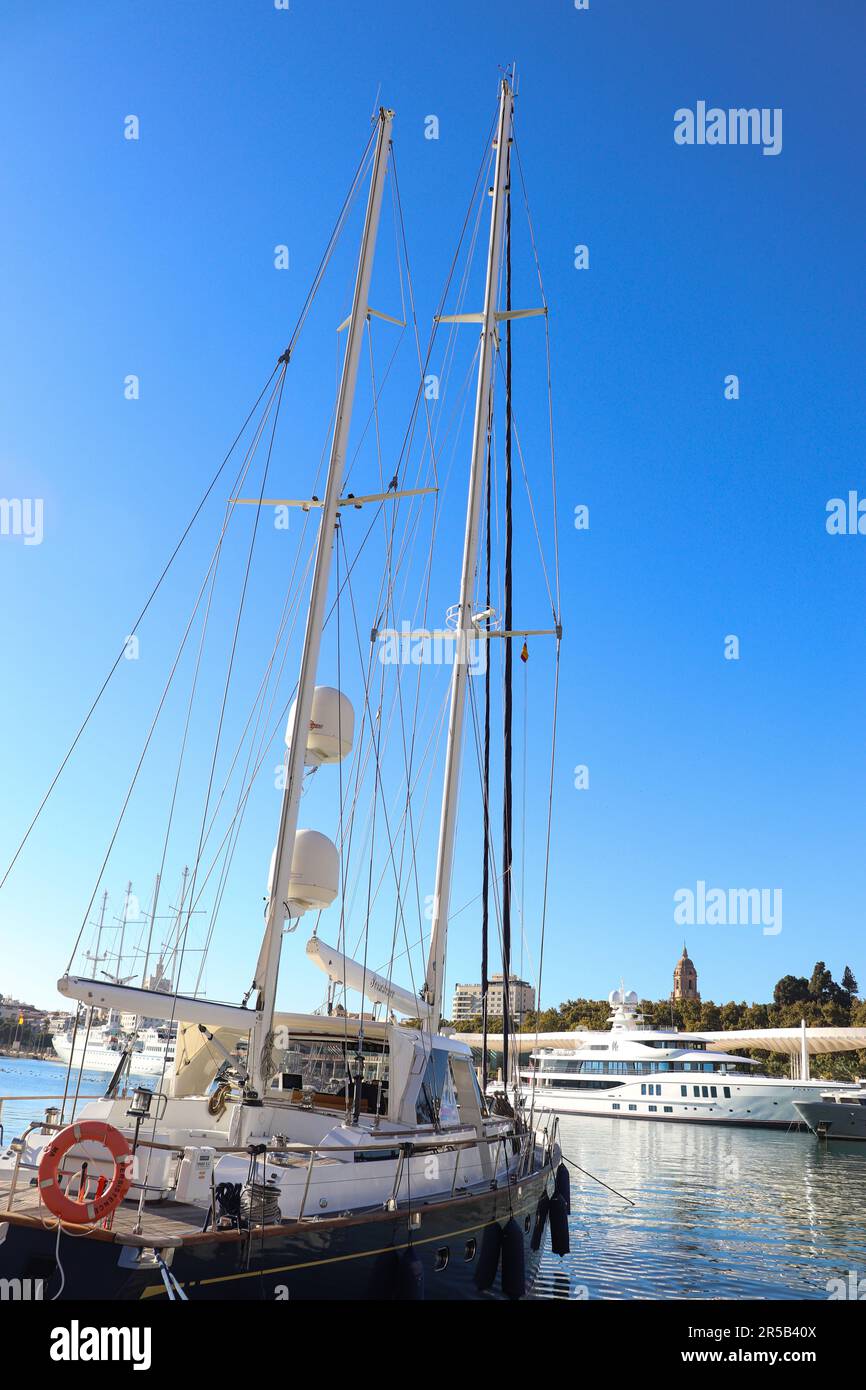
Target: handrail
[
  {"x": 43, "y": 1096},
  {"x": 444, "y": 1141}
]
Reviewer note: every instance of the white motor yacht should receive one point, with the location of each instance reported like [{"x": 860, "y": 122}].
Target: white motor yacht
[{"x": 640, "y": 1073}]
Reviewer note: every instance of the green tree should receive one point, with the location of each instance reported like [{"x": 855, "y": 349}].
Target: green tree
[
  {"x": 791, "y": 989},
  {"x": 711, "y": 1018},
  {"x": 820, "y": 982},
  {"x": 849, "y": 984}
]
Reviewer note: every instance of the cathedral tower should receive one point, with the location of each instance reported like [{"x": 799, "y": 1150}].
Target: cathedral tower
[{"x": 685, "y": 978}]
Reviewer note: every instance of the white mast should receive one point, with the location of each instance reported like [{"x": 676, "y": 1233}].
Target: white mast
[
  {"x": 465, "y": 627},
  {"x": 267, "y": 969}
]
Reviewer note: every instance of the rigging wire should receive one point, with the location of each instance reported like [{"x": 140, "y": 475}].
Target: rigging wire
[
  {"x": 156, "y": 717},
  {"x": 283, "y": 360},
  {"x": 182, "y": 942},
  {"x": 329, "y": 249},
  {"x": 485, "y": 867},
  {"x": 133, "y": 630},
  {"x": 516, "y": 149},
  {"x": 508, "y": 654}
]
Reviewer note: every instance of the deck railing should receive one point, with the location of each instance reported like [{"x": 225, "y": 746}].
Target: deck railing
[{"x": 407, "y": 1142}]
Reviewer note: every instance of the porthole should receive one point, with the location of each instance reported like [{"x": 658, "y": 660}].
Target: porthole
[
  {"x": 469, "y": 1252},
  {"x": 527, "y": 1222},
  {"x": 442, "y": 1257}
]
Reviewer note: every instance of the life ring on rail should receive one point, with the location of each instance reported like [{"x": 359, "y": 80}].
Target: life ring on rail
[{"x": 76, "y": 1209}]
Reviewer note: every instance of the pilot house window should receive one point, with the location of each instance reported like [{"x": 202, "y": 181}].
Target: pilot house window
[{"x": 437, "y": 1099}]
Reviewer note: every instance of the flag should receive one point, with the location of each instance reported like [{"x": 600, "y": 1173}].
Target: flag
[
  {"x": 20, "y": 1020},
  {"x": 524, "y": 655}
]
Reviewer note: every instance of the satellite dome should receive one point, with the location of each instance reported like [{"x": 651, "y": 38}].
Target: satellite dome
[
  {"x": 315, "y": 876},
  {"x": 332, "y": 727}
]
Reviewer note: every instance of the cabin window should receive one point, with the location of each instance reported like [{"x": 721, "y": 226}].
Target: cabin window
[
  {"x": 469, "y": 1250},
  {"x": 327, "y": 1065},
  {"x": 437, "y": 1099},
  {"x": 668, "y": 1109},
  {"x": 442, "y": 1257},
  {"x": 470, "y": 1100},
  {"x": 727, "y": 1091},
  {"x": 684, "y": 1090}
]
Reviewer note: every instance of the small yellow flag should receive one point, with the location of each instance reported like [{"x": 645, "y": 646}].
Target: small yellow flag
[
  {"x": 524, "y": 655},
  {"x": 20, "y": 1019}
]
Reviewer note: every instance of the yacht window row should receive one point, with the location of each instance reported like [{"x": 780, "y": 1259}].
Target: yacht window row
[{"x": 571, "y": 1067}]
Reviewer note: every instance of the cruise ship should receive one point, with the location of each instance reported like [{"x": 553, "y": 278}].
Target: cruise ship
[
  {"x": 639, "y": 1073},
  {"x": 152, "y": 1049}
]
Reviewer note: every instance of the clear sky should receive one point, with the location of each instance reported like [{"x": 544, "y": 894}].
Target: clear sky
[{"x": 155, "y": 257}]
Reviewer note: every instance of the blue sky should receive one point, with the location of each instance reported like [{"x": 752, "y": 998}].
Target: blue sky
[{"x": 707, "y": 515}]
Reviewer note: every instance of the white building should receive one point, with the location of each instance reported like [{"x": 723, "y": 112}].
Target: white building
[{"x": 467, "y": 1000}]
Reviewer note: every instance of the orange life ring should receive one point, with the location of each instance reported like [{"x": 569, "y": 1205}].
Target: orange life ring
[{"x": 70, "y": 1208}]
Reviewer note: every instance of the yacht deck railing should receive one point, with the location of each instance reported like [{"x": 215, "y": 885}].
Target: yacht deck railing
[{"x": 406, "y": 1142}]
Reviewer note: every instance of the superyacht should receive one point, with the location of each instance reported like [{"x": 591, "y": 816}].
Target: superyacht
[
  {"x": 639, "y": 1073},
  {"x": 151, "y": 1049}
]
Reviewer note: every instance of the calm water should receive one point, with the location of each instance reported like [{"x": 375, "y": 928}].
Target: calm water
[
  {"x": 720, "y": 1213},
  {"x": 23, "y": 1077}
]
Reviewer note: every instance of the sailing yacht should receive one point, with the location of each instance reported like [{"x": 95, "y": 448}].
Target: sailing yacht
[
  {"x": 639, "y": 1073},
  {"x": 144, "y": 1045},
  {"x": 326, "y": 1155}
]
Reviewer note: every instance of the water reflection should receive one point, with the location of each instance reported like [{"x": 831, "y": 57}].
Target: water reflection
[{"x": 720, "y": 1213}]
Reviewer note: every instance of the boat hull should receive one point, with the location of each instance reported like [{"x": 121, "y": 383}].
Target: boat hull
[
  {"x": 756, "y": 1104},
  {"x": 350, "y": 1258},
  {"x": 832, "y": 1121}
]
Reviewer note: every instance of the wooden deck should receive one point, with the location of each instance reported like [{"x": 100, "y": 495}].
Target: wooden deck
[{"x": 162, "y": 1223}]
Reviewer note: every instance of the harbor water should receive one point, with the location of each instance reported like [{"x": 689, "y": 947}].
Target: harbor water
[
  {"x": 719, "y": 1213},
  {"x": 23, "y": 1076}
]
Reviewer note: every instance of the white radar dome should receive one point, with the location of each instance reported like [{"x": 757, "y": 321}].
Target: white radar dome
[
  {"x": 332, "y": 727},
  {"x": 315, "y": 877}
]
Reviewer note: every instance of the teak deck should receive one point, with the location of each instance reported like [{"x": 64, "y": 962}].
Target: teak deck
[{"x": 163, "y": 1223}]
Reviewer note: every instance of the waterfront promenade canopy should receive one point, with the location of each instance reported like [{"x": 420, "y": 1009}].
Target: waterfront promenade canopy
[{"x": 789, "y": 1040}]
